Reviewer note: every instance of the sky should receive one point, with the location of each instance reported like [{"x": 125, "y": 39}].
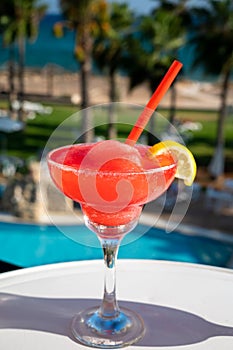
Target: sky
[{"x": 140, "y": 6}]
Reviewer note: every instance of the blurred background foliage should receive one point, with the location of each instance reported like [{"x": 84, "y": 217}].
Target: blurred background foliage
[{"x": 112, "y": 39}]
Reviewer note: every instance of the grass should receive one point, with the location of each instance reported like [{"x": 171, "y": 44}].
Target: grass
[
  {"x": 31, "y": 141},
  {"x": 202, "y": 143}
]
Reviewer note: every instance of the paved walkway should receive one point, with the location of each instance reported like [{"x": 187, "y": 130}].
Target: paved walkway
[
  {"x": 200, "y": 216},
  {"x": 197, "y": 215}
]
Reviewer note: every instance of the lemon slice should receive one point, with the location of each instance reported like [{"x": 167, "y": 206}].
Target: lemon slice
[{"x": 186, "y": 165}]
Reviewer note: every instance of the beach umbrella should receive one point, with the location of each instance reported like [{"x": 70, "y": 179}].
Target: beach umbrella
[
  {"x": 216, "y": 166},
  {"x": 9, "y": 164},
  {"x": 8, "y": 125}
]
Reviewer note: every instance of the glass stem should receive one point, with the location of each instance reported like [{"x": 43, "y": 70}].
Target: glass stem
[{"x": 109, "y": 307}]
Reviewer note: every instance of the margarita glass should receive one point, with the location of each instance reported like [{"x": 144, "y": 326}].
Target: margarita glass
[{"x": 111, "y": 181}]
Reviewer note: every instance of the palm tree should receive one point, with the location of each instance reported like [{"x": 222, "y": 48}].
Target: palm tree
[
  {"x": 179, "y": 9},
  {"x": 110, "y": 47},
  {"x": 6, "y": 9},
  {"x": 213, "y": 37},
  {"x": 22, "y": 18},
  {"x": 109, "y": 50},
  {"x": 88, "y": 18},
  {"x": 152, "y": 50}
]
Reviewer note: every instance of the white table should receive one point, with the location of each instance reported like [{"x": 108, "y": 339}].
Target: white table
[{"x": 184, "y": 306}]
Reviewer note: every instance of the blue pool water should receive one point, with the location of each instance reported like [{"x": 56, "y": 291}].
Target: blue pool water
[{"x": 31, "y": 245}]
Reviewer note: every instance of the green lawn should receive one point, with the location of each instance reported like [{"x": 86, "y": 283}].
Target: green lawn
[
  {"x": 203, "y": 141},
  {"x": 31, "y": 141}
]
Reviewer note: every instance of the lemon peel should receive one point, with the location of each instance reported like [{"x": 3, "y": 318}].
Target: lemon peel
[{"x": 186, "y": 165}]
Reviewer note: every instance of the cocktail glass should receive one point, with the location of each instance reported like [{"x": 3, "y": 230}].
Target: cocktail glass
[{"x": 111, "y": 203}]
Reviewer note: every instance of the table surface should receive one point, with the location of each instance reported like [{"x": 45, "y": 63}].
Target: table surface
[{"x": 184, "y": 306}]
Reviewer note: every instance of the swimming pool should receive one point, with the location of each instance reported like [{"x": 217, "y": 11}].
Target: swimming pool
[{"x": 29, "y": 245}]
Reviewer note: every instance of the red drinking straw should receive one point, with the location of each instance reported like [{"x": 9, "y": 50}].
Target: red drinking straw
[{"x": 153, "y": 103}]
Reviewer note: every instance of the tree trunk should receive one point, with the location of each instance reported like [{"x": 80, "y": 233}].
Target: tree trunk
[
  {"x": 21, "y": 75},
  {"x": 112, "y": 130},
  {"x": 172, "y": 104},
  {"x": 151, "y": 138},
  {"x": 87, "y": 127},
  {"x": 84, "y": 80},
  {"x": 216, "y": 167},
  {"x": 11, "y": 76}
]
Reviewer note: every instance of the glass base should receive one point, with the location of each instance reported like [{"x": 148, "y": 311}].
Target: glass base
[{"x": 91, "y": 329}]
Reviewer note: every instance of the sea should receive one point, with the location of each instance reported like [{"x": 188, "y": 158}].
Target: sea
[{"x": 47, "y": 50}]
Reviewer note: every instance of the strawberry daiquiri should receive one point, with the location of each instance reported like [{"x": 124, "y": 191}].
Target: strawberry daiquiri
[{"x": 111, "y": 180}]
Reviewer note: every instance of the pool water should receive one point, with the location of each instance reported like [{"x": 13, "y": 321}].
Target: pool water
[{"x": 28, "y": 245}]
